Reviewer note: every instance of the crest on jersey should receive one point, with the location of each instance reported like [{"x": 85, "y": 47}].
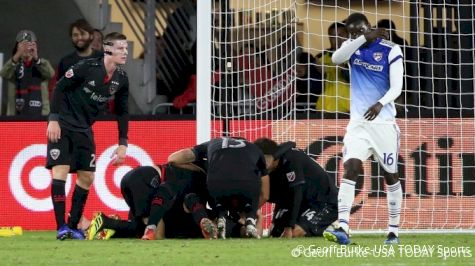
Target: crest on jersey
[
  {"x": 19, "y": 104},
  {"x": 291, "y": 176},
  {"x": 378, "y": 56},
  {"x": 69, "y": 74},
  {"x": 113, "y": 87},
  {"x": 54, "y": 153}
]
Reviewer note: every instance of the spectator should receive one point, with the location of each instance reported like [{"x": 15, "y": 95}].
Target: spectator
[
  {"x": 28, "y": 76},
  {"x": 82, "y": 35},
  {"x": 391, "y": 27},
  {"x": 97, "y": 40},
  {"x": 309, "y": 79},
  {"x": 336, "y": 88}
]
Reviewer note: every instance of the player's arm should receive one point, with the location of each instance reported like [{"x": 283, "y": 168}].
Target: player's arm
[
  {"x": 189, "y": 155},
  {"x": 396, "y": 78},
  {"x": 296, "y": 195},
  {"x": 122, "y": 111},
  {"x": 265, "y": 185},
  {"x": 73, "y": 77},
  {"x": 182, "y": 156},
  {"x": 347, "y": 49}
]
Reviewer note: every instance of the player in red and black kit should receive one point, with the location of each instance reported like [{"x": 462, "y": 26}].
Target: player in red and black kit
[
  {"x": 236, "y": 177},
  {"x": 77, "y": 100},
  {"x": 159, "y": 192},
  {"x": 305, "y": 197}
]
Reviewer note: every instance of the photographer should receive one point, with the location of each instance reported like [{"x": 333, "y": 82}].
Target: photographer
[{"x": 27, "y": 75}]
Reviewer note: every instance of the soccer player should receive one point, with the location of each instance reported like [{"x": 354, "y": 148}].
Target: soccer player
[
  {"x": 77, "y": 100},
  {"x": 305, "y": 197},
  {"x": 150, "y": 200},
  {"x": 376, "y": 66},
  {"x": 237, "y": 178}
]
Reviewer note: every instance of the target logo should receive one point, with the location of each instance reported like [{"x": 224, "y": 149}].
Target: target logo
[{"x": 29, "y": 180}]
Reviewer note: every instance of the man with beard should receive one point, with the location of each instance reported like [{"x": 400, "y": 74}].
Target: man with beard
[{"x": 82, "y": 35}]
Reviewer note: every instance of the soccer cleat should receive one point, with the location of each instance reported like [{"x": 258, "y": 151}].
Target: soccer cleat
[
  {"x": 96, "y": 227},
  {"x": 77, "y": 234},
  {"x": 64, "y": 232},
  {"x": 208, "y": 229},
  {"x": 221, "y": 228},
  {"x": 392, "y": 239},
  {"x": 251, "y": 231},
  {"x": 149, "y": 234},
  {"x": 105, "y": 234},
  {"x": 338, "y": 236}
]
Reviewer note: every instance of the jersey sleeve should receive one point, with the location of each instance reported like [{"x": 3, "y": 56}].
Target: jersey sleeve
[
  {"x": 70, "y": 81},
  {"x": 122, "y": 111},
  {"x": 396, "y": 75},
  {"x": 343, "y": 54}
]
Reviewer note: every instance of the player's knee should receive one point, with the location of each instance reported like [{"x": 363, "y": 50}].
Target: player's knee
[
  {"x": 391, "y": 178},
  {"x": 353, "y": 168},
  {"x": 85, "y": 179}
]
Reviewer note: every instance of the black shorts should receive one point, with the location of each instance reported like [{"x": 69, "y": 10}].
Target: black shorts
[
  {"x": 313, "y": 220},
  {"x": 137, "y": 188},
  {"x": 76, "y": 149},
  {"x": 240, "y": 195}
]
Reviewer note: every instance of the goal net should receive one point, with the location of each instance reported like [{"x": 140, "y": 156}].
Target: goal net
[{"x": 274, "y": 78}]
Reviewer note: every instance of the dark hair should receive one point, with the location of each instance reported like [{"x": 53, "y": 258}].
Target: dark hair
[
  {"x": 268, "y": 146},
  {"x": 305, "y": 58},
  {"x": 81, "y": 24},
  {"x": 114, "y": 36},
  {"x": 386, "y": 24},
  {"x": 335, "y": 26},
  {"x": 356, "y": 18}
]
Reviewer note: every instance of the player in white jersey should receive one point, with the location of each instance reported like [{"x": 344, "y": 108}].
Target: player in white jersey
[{"x": 376, "y": 81}]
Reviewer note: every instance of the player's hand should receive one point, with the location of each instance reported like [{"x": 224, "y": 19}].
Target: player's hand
[
  {"x": 287, "y": 232},
  {"x": 22, "y": 50},
  {"x": 119, "y": 154},
  {"x": 373, "y": 111},
  {"x": 33, "y": 50},
  {"x": 373, "y": 34},
  {"x": 54, "y": 131}
]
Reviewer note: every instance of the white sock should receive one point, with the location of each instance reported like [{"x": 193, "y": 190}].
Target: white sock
[
  {"x": 394, "y": 207},
  {"x": 346, "y": 196},
  {"x": 152, "y": 226}
]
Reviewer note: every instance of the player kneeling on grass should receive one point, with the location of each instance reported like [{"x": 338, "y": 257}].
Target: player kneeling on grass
[
  {"x": 305, "y": 196},
  {"x": 148, "y": 200},
  {"x": 236, "y": 178}
]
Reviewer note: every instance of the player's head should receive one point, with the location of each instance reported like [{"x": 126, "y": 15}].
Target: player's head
[
  {"x": 337, "y": 34},
  {"x": 98, "y": 39},
  {"x": 357, "y": 24},
  {"x": 81, "y": 33},
  {"x": 116, "y": 47},
  {"x": 269, "y": 148}
]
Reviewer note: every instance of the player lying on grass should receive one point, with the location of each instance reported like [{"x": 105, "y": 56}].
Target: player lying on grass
[
  {"x": 150, "y": 199},
  {"x": 236, "y": 179},
  {"x": 305, "y": 196}
]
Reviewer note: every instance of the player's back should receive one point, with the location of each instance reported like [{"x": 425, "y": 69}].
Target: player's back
[
  {"x": 319, "y": 186},
  {"x": 234, "y": 159}
]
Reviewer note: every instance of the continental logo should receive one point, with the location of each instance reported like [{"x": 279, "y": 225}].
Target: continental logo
[{"x": 378, "y": 68}]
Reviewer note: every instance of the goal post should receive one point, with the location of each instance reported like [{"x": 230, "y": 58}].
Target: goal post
[{"x": 272, "y": 77}]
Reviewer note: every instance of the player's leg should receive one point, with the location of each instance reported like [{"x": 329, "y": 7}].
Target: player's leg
[
  {"x": 356, "y": 150},
  {"x": 281, "y": 215},
  {"x": 193, "y": 205},
  {"x": 161, "y": 202},
  {"x": 84, "y": 152},
  {"x": 386, "y": 150},
  {"x": 59, "y": 160},
  {"x": 249, "y": 200},
  {"x": 316, "y": 219}
]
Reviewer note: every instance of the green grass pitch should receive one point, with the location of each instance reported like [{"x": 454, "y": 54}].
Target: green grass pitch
[{"x": 41, "y": 248}]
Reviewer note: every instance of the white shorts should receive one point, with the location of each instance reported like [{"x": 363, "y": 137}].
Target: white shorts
[{"x": 363, "y": 139}]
